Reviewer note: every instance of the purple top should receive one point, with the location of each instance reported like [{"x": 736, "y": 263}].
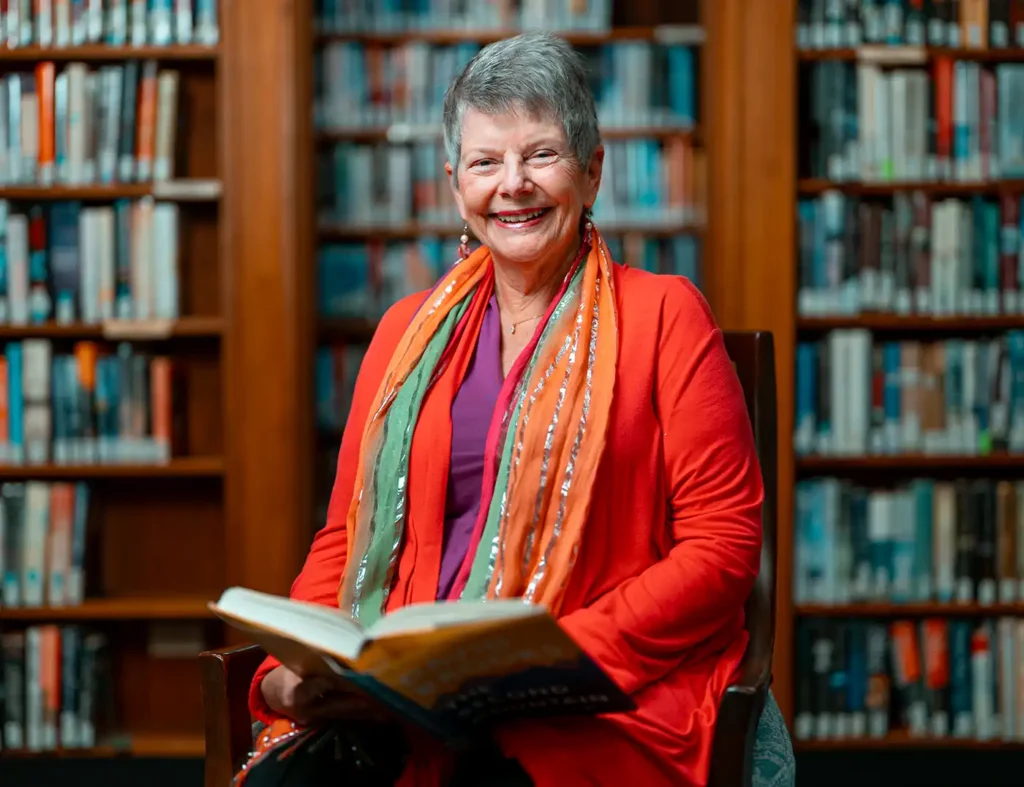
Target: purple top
[{"x": 472, "y": 411}]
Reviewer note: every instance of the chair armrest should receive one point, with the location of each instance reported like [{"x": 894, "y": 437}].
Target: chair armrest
[
  {"x": 735, "y": 732},
  {"x": 227, "y": 675}
]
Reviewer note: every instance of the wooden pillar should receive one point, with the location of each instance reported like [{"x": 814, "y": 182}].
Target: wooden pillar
[
  {"x": 266, "y": 111},
  {"x": 752, "y": 260}
]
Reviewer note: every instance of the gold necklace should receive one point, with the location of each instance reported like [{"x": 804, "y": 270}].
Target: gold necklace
[{"x": 512, "y": 330}]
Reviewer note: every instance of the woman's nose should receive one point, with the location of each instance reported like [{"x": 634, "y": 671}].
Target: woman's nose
[{"x": 515, "y": 180}]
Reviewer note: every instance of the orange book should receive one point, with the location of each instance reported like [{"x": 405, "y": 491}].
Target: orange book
[
  {"x": 62, "y": 515},
  {"x": 160, "y": 371},
  {"x": 974, "y": 23},
  {"x": 49, "y": 675},
  {"x": 45, "y": 75},
  {"x": 943, "y": 78},
  {"x": 145, "y": 140}
]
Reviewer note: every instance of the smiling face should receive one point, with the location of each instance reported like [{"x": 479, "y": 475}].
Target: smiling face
[{"x": 520, "y": 189}]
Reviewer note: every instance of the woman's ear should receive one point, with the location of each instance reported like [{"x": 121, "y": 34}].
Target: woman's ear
[
  {"x": 593, "y": 175},
  {"x": 455, "y": 189}
]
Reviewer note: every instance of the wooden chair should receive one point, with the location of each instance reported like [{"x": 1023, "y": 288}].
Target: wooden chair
[
  {"x": 227, "y": 673},
  {"x": 732, "y": 753}
]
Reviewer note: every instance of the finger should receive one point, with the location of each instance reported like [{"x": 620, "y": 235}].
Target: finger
[
  {"x": 312, "y": 690},
  {"x": 348, "y": 706}
]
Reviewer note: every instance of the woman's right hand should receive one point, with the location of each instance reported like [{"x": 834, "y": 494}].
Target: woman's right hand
[{"x": 315, "y": 699}]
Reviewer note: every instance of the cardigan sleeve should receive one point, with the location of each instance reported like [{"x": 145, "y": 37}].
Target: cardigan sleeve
[
  {"x": 690, "y": 602},
  {"x": 322, "y": 570}
]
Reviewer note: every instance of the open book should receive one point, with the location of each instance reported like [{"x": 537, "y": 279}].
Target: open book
[{"x": 448, "y": 667}]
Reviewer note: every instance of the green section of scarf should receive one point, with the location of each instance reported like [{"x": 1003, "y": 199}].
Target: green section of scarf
[{"x": 391, "y": 477}]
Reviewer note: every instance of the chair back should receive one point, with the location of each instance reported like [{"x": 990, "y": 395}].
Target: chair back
[{"x": 753, "y": 355}]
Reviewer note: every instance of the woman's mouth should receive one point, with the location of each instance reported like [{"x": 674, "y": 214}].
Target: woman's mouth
[{"x": 520, "y": 219}]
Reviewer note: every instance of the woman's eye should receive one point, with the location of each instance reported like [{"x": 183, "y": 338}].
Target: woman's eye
[{"x": 484, "y": 162}]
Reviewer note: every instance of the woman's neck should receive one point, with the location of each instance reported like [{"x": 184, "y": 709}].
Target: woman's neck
[{"x": 523, "y": 292}]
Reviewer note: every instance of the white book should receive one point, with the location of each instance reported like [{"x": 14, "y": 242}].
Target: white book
[
  {"x": 35, "y": 535},
  {"x": 1006, "y": 628},
  {"x": 17, "y": 269},
  {"x": 88, "y": 260},
  {"x": 166, "y": 123},
  {"x": 166, "y": 261},
  {"x": 76, "y": 128}
]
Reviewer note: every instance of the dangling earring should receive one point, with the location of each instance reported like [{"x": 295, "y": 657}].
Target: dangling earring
[
  {"x": 588, "y": 214},
  {"x": 464, "y": 243}
]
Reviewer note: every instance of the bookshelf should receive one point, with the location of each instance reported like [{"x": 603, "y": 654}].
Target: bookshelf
[
  {"x": 116, "y": 349},
  {"x": 907, "y": 549}
]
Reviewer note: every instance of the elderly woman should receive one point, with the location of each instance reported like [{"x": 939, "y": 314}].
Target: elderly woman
[{"x": 543, "y": 424}]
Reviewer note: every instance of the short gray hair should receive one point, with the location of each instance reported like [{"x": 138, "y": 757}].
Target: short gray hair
[{"x": 536, "y": 72}]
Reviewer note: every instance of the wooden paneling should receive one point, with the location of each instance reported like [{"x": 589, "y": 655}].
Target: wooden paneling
[
  {"x": 263, "y": 112},
  {"x": 159, "y": 537},
  {"x": 750, "y": 131}
]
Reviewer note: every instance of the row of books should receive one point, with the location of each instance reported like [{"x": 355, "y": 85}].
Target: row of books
[
  {"x": 935, "y": 678},
  {"x": 89, "y": 406},
  {"x": 956, "y": 541},
  {"x": 955, "y": 121},
  {"x": 69, "y": 262},
  {"x": 365, "y": 279},
  {"x": 377, "y": 16},
  {"x": 910, "y": 254},
  {"x": 635, "y": 83},
  {"x": 111, "y": 124},
  {"x": 647, "y": 182},
  {"x": 54, "y": 687},
  {"x": 63, "y": 23},
  {"x": 856, "y": 396},
  {"x": 43, "y": 530},
  {"x": 974, "y": 24},
  {"x": 336, "y": 368}
]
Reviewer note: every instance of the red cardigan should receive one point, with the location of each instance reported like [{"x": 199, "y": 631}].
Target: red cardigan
[{"x": 669, "y": 556}]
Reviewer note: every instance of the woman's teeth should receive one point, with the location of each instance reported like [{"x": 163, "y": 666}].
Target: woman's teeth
[{"x": 519, "y": 218}]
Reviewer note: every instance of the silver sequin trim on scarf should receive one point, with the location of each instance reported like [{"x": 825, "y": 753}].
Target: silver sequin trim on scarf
[{"x": 556, "y": 533}]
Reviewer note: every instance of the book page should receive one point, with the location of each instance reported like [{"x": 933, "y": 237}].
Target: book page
[
  {"x": 322, "y": 627},
  {"x": 429, "y": 616}
]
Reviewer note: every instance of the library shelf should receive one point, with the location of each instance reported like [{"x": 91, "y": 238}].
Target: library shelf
[
  {"x": 913, "y": 323},
  {"x": 102, "y": 53},
  {"x": 150, "y": 744},
  {"x": 354, "y": 328},
  {"x": 902, "y": 740},
  {"x": 690, "y": 35},
  {"x": 814, "y": 186},
  {"x": 910, "y": 463},
  {"x": 148, "y": 330},
  {"x": 183, "y": 467},
  {"x": 909, "y": 55},
  {"x": 127, "y": 608},
  {"x": 330, "y": 231},
  {"x": 910, "y": 610},
  {"x": 406, "y": 132},
  {"x": 183, "y": 190}
]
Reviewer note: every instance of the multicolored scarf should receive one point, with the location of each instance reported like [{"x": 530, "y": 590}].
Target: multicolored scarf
[{"x": 543, "y": 449}]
